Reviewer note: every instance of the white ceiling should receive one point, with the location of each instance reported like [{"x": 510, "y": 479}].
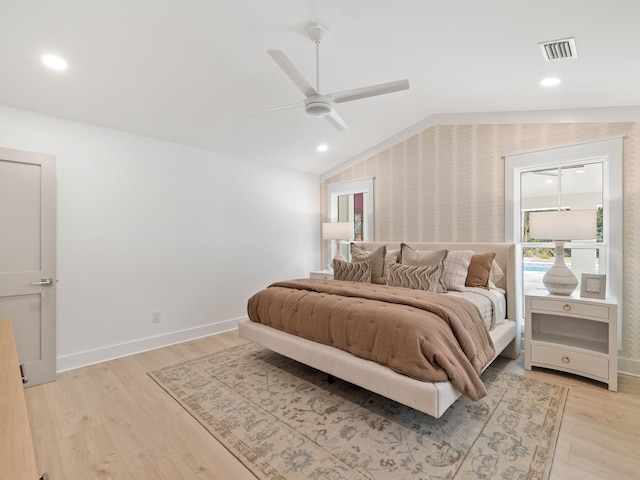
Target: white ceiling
[{"x": 188, "y": 71}]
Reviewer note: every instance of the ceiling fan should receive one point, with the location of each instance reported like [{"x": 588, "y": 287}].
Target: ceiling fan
[{"x": 320, "y": 105}]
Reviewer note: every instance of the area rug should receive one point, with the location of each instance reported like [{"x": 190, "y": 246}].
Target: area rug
[{"x": 284, "y": 420}]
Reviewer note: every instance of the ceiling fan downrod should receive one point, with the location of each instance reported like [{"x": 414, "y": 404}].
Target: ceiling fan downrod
[{"x": 317, "y": 33}]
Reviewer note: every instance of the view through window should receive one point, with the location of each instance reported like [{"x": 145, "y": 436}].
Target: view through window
[
  {"x": 352, "y": 202},
  {"x": 570, "y": 187}
]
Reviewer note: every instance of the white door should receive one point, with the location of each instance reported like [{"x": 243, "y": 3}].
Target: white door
[{"x": 27, "y": 258}]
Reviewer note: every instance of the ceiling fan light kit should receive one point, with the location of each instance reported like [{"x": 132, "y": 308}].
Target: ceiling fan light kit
[{"x": 320, "y": 105}]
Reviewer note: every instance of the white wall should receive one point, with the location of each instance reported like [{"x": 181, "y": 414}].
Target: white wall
[{"x": 145, "y": 225}]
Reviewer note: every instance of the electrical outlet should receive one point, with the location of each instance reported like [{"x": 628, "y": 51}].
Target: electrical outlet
[{"x": 156, "y": 317}]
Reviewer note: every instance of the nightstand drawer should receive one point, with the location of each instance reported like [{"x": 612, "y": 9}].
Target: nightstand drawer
[
  {"x": 569, "y": 307},
  {"x": 570, "y": 360}
]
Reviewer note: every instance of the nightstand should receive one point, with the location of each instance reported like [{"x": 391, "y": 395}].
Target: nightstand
[
  {"x": 573, "y": 334},
  {"x": 321, "y": 274}
]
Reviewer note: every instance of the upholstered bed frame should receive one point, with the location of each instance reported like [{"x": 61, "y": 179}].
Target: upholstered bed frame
[{"x": 430, "y": 398}]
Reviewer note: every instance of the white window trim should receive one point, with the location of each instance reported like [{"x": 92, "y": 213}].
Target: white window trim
[{"x": 334, "y": 190}]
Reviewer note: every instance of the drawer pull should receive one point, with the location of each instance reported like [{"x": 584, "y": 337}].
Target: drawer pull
[
  {"x": 566, "y": 307},
  {"x": 566, "y": 359}
]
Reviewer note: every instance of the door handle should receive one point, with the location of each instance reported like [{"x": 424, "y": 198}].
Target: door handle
[{"x": 45, "y": 282}]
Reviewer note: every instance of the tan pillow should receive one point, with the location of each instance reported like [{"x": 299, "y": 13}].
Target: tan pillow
[
  {"x": 480, "y": 270},
  {"x": 392, "y": 256},
  {"x": 352, "y": 272},
  {"x": 426, "y": 277},
  {"x": 410, "y": 256},
  {"x": 456, "y": 266},
  {"x": 377, "y": 256}
]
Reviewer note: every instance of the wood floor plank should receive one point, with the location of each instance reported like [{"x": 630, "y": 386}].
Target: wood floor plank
[
  {"x": 43, "y": 433},
  {"x": 564, "y": 471},
  {"x": 91, "y": 454},
  {"x": 138, "y": 442},
  {"x": 604, "y": 459},
  {"x": 112, "y": 421},
  {"x": 68, "y": 406},
  {"x": 168, "y": 468}
]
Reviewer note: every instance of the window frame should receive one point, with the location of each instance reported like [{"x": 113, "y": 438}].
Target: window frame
[{"x": 335, "y": 190}]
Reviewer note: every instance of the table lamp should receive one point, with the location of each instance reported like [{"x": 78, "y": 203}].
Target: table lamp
[
  {"x": 336, "y": 232},
  {"x": 562, "y": 226}
]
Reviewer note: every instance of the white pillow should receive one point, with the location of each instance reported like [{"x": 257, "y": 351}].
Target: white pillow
[
  {"x": 495, "y": 276},
  {"x": 456, "y": 266}
]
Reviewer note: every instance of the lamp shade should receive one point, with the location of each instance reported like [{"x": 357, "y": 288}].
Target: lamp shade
[
  {"x": 563, "y": 225},
  {"x": 337, "y": 231}
]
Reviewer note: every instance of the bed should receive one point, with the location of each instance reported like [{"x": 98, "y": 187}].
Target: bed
[{"x": 430, "y": 397}]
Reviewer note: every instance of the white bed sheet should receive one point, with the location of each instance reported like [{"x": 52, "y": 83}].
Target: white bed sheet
[{"x": 492, "y": 304}]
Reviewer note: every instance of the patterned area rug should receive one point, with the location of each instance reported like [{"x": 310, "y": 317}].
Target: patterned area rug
[{"x": 284, "y": 420}]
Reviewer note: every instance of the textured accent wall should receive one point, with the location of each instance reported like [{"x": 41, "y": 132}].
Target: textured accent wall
[{"x": 446, "y": 183}]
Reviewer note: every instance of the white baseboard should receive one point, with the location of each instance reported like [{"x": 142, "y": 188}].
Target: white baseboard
[
  {"x": 91, "y": 357},
  {"x": 627, "y": 366}
]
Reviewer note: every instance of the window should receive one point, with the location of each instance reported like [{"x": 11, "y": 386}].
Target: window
[
  {"x": 581, "y": 176},
  {"x": 352, "y": 202},
  {"x": 569, "y": 187}
]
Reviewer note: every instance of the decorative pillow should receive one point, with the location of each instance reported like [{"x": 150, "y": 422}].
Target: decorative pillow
[
  {"x": 411, "y": 256},
  {"x": 377, "y": 256},
  {"x": 480, "y": 270},
  {"x": 414, "y": 257},
  {"x": 456, "y": 265},
  {"x": 353, "y": 272},
  {"x": 392, "y": 256},
  {"x": 495, "y": 275},
  {"x": 426, "y": 277}
]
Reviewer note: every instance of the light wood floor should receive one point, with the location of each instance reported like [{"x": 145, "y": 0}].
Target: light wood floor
[{"x": 111, "y": 421}]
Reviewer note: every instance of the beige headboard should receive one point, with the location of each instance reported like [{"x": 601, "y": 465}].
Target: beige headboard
[{"x": 505, "y": 257}]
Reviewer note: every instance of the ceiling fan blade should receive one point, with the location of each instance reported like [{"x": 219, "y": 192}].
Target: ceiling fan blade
[
  {"x": 275, "y": 109},
  {"x": 371, "y": 91},
  {"x": 292, "y": 72},
  {"x": 336, "y": 120}
]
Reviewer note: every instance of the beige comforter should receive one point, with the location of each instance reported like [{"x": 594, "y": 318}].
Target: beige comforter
[{"x": 427, "y": 336}]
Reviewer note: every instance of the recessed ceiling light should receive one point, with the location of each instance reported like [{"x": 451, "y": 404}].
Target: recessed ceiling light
[
  {"x": 323, "y": 147},
  {"x": 549, "y": 180},
  {"x": 55, "y": 62},
  {"x": 550, "y": 82}
]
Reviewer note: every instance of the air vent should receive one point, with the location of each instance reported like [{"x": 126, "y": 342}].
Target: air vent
[{"x": 559, "y": 49}]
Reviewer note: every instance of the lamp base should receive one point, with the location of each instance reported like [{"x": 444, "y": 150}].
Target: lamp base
[
  {"x": 337, "y": 256},
  {"x": 559, "y": 279}
]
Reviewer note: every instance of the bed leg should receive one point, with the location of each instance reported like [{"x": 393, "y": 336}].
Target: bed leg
[{"x": 331, "y": 378}]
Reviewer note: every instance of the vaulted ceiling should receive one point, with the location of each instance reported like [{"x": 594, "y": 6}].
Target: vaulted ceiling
[{"x": 188, "y": 71}]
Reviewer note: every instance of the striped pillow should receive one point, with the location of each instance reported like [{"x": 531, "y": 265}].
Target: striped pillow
[
  {"x": 410, "y": 256},
  {"x": 426, "y": 277},
  {"x": 352, "y": 272}
]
